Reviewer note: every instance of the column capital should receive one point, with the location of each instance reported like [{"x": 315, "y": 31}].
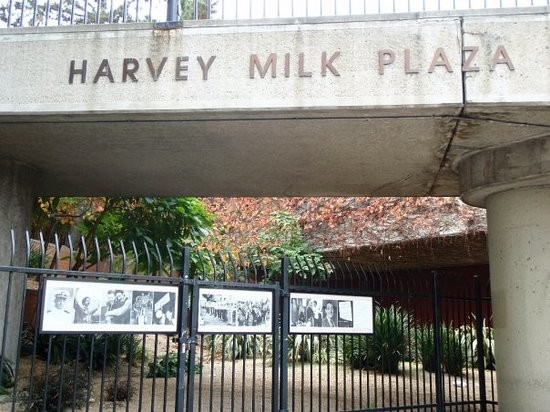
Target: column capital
[{"x": 498, "y": 169}]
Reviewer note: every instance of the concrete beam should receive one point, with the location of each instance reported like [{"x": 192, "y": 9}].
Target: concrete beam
[{"x": 374, "y": 106}]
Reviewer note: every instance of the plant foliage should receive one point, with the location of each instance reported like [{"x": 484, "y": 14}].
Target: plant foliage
[
  {"x": 167, "y": 366},
  {"x": 425, "y": 347},
  {"x": 61, "y": 388},
  {"x": 387, "y": 346},
  {"x": 170, "y": 222},
  {"x": 98, "y": 351}
]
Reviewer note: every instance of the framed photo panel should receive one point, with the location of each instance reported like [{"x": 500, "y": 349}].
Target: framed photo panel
[
  {"x": 233, "y": 310},
  {"x": 81, "y": 306},
  {"x": 315, "y": 313}
]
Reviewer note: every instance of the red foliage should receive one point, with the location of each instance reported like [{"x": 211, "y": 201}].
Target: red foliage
[{"x": 334, "y": 222}]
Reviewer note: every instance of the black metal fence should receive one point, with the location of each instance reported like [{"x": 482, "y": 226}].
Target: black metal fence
[{"x": 432, "y": 346}]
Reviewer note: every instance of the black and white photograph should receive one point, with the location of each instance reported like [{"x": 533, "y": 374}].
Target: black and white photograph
[
  {"x": 92, "y": 306},
  {"x": 164, "y": 308},
  {"x": 316, "y": 313},
  {"x": 142, "y": 308},
  {"x": 235, "y": 311}
]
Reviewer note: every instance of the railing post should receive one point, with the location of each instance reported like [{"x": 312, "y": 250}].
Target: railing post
[
  {"x": 172, "y": 10},
  {"x": 440, "y": 399},
  {"x": 480, "y": 351},
  {"x": 191, "y": 346},
  {"x": 285, "y": 325},
  {"x": 182, "y": 337}
]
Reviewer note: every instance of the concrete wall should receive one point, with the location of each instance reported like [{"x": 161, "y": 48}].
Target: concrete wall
[
  {"x": 16, "y": 195},
  {"x": 408, "y": 63},
  {"x": 38, "y": 79}
]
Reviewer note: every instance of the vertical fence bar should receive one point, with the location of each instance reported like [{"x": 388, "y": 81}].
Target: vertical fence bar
[
  {"x": 285, "y": 328},
  {"x": 191, "y": 345},
  {"x": 440, "y": 401},
  {"x": 180, "y": 376},
  {"x": 282, "y": 361},
  {"x": 172, "y": 10},
  {"x": 480, "y": 352}
]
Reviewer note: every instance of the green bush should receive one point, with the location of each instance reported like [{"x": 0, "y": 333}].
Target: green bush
[
  {"x": 425, "y": 347},
  {"x": 387, "y": 346},
  {"x": 470, "y": 332},
  {"x": 240, "y": 346},
  {"x": 97, "y": 352},
  {"x": 489, "y": 347},
  {"x": 8, "y": 375},
  {"x": 313, "y": 348},
  {"x": 167, "y": 366},
  {"x": 456, "y": 349}
]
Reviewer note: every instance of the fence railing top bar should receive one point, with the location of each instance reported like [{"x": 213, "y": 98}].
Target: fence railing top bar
[{"x": 35, "y": 13}]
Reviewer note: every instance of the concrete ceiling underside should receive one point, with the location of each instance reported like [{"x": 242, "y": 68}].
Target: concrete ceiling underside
[{"x": 260, "y": 154}]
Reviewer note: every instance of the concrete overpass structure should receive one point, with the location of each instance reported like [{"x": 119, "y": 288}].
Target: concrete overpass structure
[{"x": 430, "y": 104}]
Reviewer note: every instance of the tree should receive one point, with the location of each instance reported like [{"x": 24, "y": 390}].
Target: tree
[
  {"x": 169, "y": 223},
  {"x": 282, "y": 237},
  {"x": 19, "y": 13},
  {"x": 204, "y": 9}
]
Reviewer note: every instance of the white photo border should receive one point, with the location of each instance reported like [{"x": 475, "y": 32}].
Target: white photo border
[
  {"x": 351, "y": 314},
  {"x": 89, "y": 308},
  {"x": 235, "y": 310}
]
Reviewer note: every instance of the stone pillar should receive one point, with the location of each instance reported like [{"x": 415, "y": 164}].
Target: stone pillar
[
  {"x": 513, "y": 183},
  {"x": 16, "y": 197}
]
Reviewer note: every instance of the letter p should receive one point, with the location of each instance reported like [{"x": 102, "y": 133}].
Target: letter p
[{"x": 385, "y": 58}]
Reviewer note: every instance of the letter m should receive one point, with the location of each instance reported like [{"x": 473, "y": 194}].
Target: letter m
[{"x": 255, "y": 64}]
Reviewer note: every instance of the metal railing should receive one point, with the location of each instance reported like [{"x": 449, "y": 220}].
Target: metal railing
[
  {"x": 432, "y": 347},
  {"x": 30, "y": 13}
]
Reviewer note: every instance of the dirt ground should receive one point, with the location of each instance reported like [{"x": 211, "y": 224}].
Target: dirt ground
[{"x": 247, "y": 386}]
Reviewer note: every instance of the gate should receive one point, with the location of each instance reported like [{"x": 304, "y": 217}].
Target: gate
[{"x": 432, "y": 346}]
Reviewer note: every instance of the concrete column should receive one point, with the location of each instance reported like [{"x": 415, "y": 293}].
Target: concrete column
[
  {"x": 519, "y": 253},
  {"x": 16, "y": 197},
  {"x": 513, "y": 183}
]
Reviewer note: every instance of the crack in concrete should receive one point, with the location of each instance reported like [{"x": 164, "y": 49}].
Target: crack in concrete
[
  {"x": 460, "y": 115},
  {"x": 490, "y": 119}
]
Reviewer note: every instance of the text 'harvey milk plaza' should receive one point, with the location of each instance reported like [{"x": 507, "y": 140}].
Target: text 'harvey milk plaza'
[{"x": 290, "y": 98}]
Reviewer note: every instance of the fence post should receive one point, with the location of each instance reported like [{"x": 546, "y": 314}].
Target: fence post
[
  {"x": 182, "y": 336},
  {"x": 172, "y": 10},
  {"x": 285, "y": 325},
  {"x": 440, "y": 399},
  {"x": 480, "y": 351}
]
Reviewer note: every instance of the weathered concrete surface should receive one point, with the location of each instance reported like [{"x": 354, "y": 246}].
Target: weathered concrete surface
[
  {"x": 16, "y": 195},
  {"x": 518, "y": 165},
  {"x": 35, "y": 86},
  {"x": 362, "y": 126},
  {"x": 519, "y": 223}
]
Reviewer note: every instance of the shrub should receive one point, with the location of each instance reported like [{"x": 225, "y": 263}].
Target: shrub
[
  {"x": 470, "y": 332},
  {"x": 104, "y": 349},
  {"x": 122, "y": 391},
  {"x": 489, "y": 347},
  {"x": 240, "y": 346},
  {"x": 8, "y": 375},
  {"x": 313, "y": 348},
  {"x": 47, "y": 389},
  {"x": 167, "y": 366},
  {"x": 425, "y": 347},
  {"x": 387, "y": 346},
  {"x": 456, "y": 349}
]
